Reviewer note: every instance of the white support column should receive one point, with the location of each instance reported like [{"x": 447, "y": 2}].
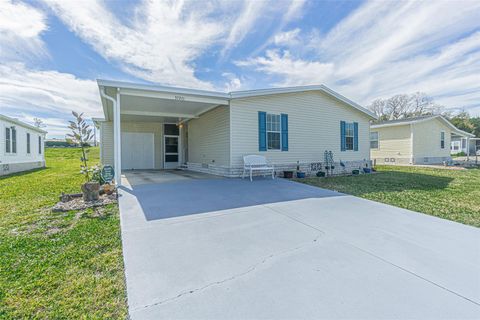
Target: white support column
[
  {"x": 468, "y": 148},
  {"x": 118, "y": 140}
]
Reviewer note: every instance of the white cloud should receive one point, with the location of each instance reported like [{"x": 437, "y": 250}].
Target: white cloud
[
  {"x": 158, "y": 44},
  {"x": 234, "y": 83},
  {"x": 49, "y": 95},
  {"x": 294, "y": 71},
  {"x": 385, "y": 48},
  {"x": 287, "y": 38},
  {"x": 250, "y": 13},
  {"x": 20, "y": 29}
]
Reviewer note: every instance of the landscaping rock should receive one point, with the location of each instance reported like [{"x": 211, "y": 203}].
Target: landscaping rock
[{"x": 77, "y": 203}]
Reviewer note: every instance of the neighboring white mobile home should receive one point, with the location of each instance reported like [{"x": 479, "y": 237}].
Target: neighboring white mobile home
[
  {"x": 167, "y": 128},
  {"x": 462, "y": 144},
  {"x": 420, "y": 140},
  {"x": 22, "y": 146}
]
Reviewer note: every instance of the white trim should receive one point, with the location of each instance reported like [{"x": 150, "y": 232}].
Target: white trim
[
  {"x": 156, "y": 88},
  {"x": 158, "y": 114}
]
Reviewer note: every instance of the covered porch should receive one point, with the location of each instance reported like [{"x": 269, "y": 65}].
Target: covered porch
[{"x": 146, "y": 127}]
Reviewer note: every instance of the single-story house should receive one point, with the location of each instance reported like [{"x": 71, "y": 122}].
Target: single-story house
[
  {"x": 21, "y": 145},
  {"x": 157, "y": 127},
  {"x": 462, "y": 144},
  {"x": 420, "y": 140}
]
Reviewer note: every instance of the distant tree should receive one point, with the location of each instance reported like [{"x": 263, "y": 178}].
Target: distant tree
[
  {"x": 463, "y": 122},
  {"x": 37, "y": 122},
  {"x": 379, "y": 108},
  {"x": 403, "y": 106}
]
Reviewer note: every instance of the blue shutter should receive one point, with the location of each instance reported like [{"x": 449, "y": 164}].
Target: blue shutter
[
  {"x": 284, "y": 119},
  {"x": 355, "y": 136},
  {"x": 343, "y": 144},
  {"x": 262, "y": 131}
]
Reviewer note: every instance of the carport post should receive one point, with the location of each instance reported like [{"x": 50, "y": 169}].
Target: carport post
[
  {"x": 468, "y": 149},
  {"x": 117, "y": 140}
]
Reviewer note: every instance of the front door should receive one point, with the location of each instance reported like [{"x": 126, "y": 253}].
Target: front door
[{"x": 171, "y": 152}]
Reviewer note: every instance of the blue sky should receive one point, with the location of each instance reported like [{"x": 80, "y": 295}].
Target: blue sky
[{"x": 53, "y": 50}]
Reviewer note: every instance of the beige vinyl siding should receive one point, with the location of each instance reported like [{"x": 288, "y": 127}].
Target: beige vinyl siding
[
  {"x": 313, "y": 127},
  {"x": 106, "y": 143},
  {"x": 426, "y": 139},
  {"x": 209, "y": 137},
  {"x": 393, "y": 142},
  {"x": 107, "y": 139}
]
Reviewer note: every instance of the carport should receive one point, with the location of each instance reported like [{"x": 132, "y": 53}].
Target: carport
[{"x": 154, "y": 116}]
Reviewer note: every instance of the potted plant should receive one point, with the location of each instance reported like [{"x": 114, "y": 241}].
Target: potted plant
[
  {"x": 288, "y": 174},
  {"x": 366, "y": 169},
  {"x": 81, "y": 134},
  {"x": 300, "y": 174},
  {"x": 320, "y": 174}
]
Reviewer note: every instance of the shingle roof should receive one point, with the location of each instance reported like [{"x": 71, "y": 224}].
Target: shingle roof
[{"x": 407, "y": 120}]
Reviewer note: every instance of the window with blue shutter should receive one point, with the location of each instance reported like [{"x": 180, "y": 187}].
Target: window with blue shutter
[
  {"x": 355, "y": 136},
  {"x": 343, "y": 144},
  {"x": 284, "y": 132},
  {"x": 262, "y": 131},
  {"x": 348, "y": 136}
]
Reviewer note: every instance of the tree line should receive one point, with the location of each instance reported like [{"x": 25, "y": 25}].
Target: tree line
[{"x": 404, "y": 106}]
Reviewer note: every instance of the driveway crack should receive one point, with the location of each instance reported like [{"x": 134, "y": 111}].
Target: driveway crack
[{"x": 233, "y": 277}]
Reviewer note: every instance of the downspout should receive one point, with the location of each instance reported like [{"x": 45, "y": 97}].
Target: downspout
[{"x": 118, "y": 176}]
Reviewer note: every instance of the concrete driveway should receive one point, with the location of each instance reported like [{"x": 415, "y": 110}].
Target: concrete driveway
[{"x": 234, "y": 249}]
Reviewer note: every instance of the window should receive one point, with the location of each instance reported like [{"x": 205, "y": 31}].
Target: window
[
  {"x": 14, "y": 140},
  {"x": 170, "y": 129},
  {"x": 39, "y": 145},
  {"x": 273, "y": 131},
  {"x": 464, "y": 143},
  {"x": 28, "y": 143},
  {"x": 373, "y": 140},
  {"x": 8, "y": 140},
  {"x": 11, "y": 140},
  {"x": 442, "y": 140},
  {"x": 349, "y": 136}
]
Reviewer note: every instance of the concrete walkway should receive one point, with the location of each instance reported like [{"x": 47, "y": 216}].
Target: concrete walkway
[{"x": 234, "y": 249}]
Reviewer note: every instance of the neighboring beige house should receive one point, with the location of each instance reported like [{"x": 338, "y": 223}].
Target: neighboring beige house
[
  {"x": 167, "y": 128},
  {"x": 21, "y": 145},
  {"x": 421, "y": 140}
]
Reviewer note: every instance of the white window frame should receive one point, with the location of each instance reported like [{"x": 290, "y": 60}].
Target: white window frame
[
  {"x": 9, "y": 142},
  {"x": 349, "y": 125},
  {"x": 29, "y": 143},
  {"x": 377, "y": 140},
  {"x": 279, "y": 131}
]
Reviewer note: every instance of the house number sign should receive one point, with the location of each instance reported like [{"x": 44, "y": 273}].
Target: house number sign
[{"x": 108, "y": 174}]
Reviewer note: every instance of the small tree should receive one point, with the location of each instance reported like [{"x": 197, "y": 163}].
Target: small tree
[
  {"x": 38, "y": 123},
  {"x": 81, "y": 134}
]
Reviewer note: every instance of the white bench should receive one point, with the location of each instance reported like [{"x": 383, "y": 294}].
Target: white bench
[{"x": 256, "y": 163}]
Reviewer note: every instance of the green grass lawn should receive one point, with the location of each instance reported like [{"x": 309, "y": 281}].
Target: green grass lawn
[
  {"x": 448, "y": 194},
  {"x": 58, "y": 265}
]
